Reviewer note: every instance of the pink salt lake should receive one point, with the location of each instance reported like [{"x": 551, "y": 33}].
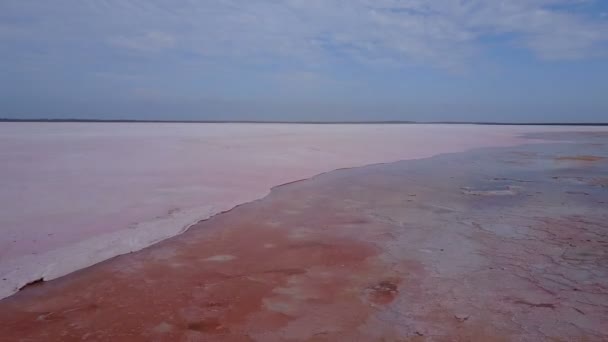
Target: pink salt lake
[{"x": 74, "y": 194}]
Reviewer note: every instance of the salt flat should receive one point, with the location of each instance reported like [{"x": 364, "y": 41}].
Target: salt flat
[
  {"x": 74, "y": 194},
  {"x": 493, "y": 244}
]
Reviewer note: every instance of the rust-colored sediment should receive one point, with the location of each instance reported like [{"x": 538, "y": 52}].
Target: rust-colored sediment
[
  {"x": 581, "y": 158},
  {"x": 385, "y": 253},
  {"x": 239, "y": 276}
]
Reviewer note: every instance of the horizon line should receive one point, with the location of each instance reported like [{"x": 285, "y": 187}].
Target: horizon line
[{"x": 309, "y": 122}]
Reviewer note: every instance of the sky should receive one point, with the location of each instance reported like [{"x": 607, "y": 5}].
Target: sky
[{"x": 299, "y": 60}]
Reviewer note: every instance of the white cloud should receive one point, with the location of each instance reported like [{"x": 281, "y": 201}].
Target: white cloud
[
  {"x": 440, "y": 33},
  {"x": 149, "y": 41}
]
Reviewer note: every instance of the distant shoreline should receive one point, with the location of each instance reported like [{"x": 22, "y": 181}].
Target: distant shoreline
[{"x": 315, "y": 122}]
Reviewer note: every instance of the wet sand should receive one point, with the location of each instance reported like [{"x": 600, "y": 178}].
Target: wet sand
[{"x": 494, "y": 244}]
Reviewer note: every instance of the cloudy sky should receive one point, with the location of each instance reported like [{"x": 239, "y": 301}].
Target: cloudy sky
[{"x": 426, "y": 60}]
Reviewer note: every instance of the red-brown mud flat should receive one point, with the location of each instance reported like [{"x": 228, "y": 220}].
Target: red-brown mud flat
[{"x": 490, "y": 245}]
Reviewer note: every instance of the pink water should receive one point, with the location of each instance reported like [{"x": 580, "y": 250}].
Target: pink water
[{"x": 74, "y": 194}]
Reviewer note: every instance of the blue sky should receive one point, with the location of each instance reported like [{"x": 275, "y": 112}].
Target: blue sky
[{"x": 489, "y": 60}]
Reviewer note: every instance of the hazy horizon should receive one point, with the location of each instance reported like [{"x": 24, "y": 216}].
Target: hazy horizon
[{"x": 387, "y": 60}]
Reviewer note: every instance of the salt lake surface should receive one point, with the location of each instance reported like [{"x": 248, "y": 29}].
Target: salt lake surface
[
  {"x": 492, "y": 244},
  {"x": 74, "y": 194}
]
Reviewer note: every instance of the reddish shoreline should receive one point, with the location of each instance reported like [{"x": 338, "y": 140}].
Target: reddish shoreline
[
  {"x": 146, "y": 183},
  {"x": 386, "y": 252}
]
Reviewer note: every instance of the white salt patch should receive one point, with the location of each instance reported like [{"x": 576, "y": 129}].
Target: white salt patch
[
  {"x": 300, "y": 233},
  {"x": 163, "y": 328},
  {"x": 221, "y": 258},
  {"x": 277, "y": 305}
]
